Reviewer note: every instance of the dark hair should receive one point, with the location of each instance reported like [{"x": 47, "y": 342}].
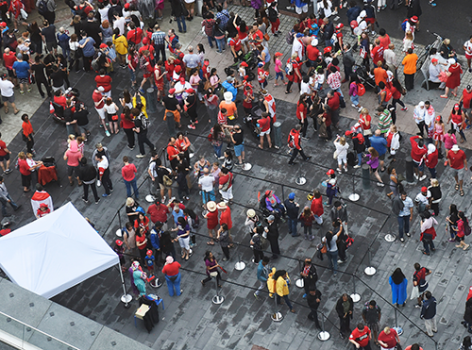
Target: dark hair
[
  {"x": 453, "y": 209},
  {"x": 24, "y": 116},
  {"x": 265, "y": 259},
  {"x": 279, "y": 273},
  {"x": 428, "y": 294},
  {"x": 373, "y": 303},
  {"x": 467, "y": 343},
  {"x": 182, "y": 221},
  {"x": 417, "y": 266},
  {"x": 381, "y": 85},
  {"x": 360, "y": 326},
  {"x": 207, "y": 255},
  {"x": 415, "y": 347},
  {"x": 382, "y": 32},
  {"x": 397, "y": 276}
]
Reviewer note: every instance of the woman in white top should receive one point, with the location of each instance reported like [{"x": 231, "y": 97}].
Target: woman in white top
[
  {"x": 111, "y": 110},
  {"x": 330, "y": 240},
  {"x": 33, "y": 165},
  {"x": 341, "y": 152},
  {"x": 395, "y": 142},
  {"x": 75, "y": 52},
  {"x": 326, "y": 6}
]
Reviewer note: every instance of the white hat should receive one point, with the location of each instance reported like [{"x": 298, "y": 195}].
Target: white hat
[
  {"x": 431, "y": 148},
  {"x": 211, "y": 206},
  {"x": 101, "y": 88},
  {"x": 221, "y": 205},
  {"x": 251, "y": 213},
  {"x": 314, "y": 42},
  {"x": 363, "y": 14},
  {"x": 455, "y": 148},
  {"x": 228, "y": 95},
  {"x": 421, "y": 104},
  {"x": 451, "y": 61}
]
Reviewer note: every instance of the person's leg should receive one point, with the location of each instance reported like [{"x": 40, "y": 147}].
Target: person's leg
[
  {"x": 225, "y": 252},
  {"x": 406, "y": 224},
  {"x": 287, "y": 301},
  {"x": 294, "y": 155},
  {"x": 128, "y": 188},
  {"x": 135, "y": 188},
  {"x": 141, "y": 138},
  {"x": 177, "y": 285},
  {"x": 86, "y": 188},
  {"x": 170, "y": 286}
]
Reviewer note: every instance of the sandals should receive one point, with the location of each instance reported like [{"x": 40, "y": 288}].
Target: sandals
[
  {"x": 211, "y": 243},
  {"x": 457, "y": 187},
  {"x": 461, "y": 193}
]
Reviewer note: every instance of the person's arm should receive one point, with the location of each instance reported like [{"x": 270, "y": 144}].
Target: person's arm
[
  {"x": 356, "y": 344},
  {"x": 411, "y": 214}
]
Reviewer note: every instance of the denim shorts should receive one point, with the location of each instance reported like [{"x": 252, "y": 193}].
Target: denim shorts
[{"x": 239, "y": 149}]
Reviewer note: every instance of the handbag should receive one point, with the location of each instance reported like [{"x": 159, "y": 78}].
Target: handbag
[
  {"x": 213, "y": 274},
  {"x": 335, "y": 155},
  {"x": 266, "y": 37},
  {"x": 114, "y": 117},
  {"x": 363, "y": 53}
]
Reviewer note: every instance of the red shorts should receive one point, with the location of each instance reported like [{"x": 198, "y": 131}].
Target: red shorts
[
  {"x": 147, "y": 75},
  {"x": 370, "y": 20},
  {"x": 469, "y": 57},
  {"x": 160, "y": 86}
]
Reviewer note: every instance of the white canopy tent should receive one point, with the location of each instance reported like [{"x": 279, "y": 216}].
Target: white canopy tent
[{"x": 55, "y": 253}]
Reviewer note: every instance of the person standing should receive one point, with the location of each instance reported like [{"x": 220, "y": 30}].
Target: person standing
[
  {"x": 272, "y": 231},
  {"x": 309, "y": 276},
  {"x": 281, "y": 281},
  {"x": 428, "y": 233},
  {"x": 99, "y": 103},
  {"x": 28, "y": 133},
  {"x": 419, "y": 115},
  {"x": 104, "y": 173},
  {"x": 314, "y": 299},
  {"x": 73, "y": 156},
  {"x": 398, "y": 284},
  {"x": 141, "y": 128},
  {"x": 294, "y": 143},
  {"x": 418, "y": 151},
  {"x": 22, "y": 71},
  {"x": 361, "y": 337},
  {"x": 330, "y": 240},
  {"x": 222, "y": 235},
  {"x": 409, "y": 68},
  {"x": 256, "y": 243},
  {"x": 171, "y": 271},
  {"x": 8, "y": 94},
  {"x": 179, "y": 12},
  {"x": 4, "y": 157},
  {"x": 88, "y": 176},
  {"x": 292, "y": 209},
  {"x": 344, "y": 309},
  {"x": 388, "y": 339},
  {"x": 225, "y": 185},
  {"x": 457, "y": 160},
  {"x": 402, "y": 207},
  {"x": 419, "y": 280},
  {"x": 371, "y": 315},
  {"x": 317, "y": 207},
  {"x": 5, "y": 199},
  {"x": 129, "y": 171},
  {"x": 428, "y": 313},
  {"x": 262, "y": 275},
  {"x": 211, "y": 269}
]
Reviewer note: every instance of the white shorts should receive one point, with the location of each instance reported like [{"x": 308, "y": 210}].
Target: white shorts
[
  {"x": 101, "y": 112},
  {"x": 342, "y": 159},
  {"x": 184, "y": 243},
  {"x": 303, "y": 9},
  {"x": 265, "y": 133}
]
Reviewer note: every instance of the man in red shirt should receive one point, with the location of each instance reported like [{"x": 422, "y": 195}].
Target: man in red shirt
[
  {"x": 377, "y": 52},
  {"x": 317, "y": 207},
  {"x": 388, "y": 338},
  {"x": 457, "y": 160},
  {"x": 158, "y": 212},
  {"x": 173, "y": 153},
  {"x": 135, "y": 35},
  {"x": 417, "y": 154},
  {"x": 225, "y": 217},
  {"x": 4, "y": 157},
  {"x": 225, "y": 183},
  {"x": 333, "y": 101},
  {"x": 99, "y": 103},
  {"x": 264, "y": 124},
  {"x": 360, "y": 337},
  {"x": 312, "y": 53},
  {"x": 104, "y": 80},
  {"x": 236, "y": 48},
  {"x": 147, "y": 46},
  {"x": 9, "y": 58},
  {"x": 129, "y": 171},
  {"x": 466, "y": 104},
  {"x": 295, "y": 144}
]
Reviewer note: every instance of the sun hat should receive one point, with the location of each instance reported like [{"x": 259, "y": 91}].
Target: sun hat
[
  {"x": 211, "y": 206},
  {"x": 455, "y": 148},
  {"x": 251, "y": 213},
  {"x": 221, "y": 205},
  {"x": 228, "y": 96}
]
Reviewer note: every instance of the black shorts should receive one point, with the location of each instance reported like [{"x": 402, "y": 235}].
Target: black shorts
[
  {"x": 11, "y": 73},
  {"x": 71, "y": 169},
  {"x": 5, "y": 157},
  {"x": 26, "y": 180}
]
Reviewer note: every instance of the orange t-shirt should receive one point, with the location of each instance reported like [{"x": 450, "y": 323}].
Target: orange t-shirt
[
  {"x": 380, "y": 75},
  {"x": 230, "y": 107},
  {"x": 409, "y": 63}
]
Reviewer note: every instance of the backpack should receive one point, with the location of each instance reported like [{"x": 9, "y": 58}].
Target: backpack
[
  {"x": 226, "y": 185},
  {"x": 351, "y": 159},
  {"x": 466, "y": 227},
  {"x": 42, "y": 7},
  {"x": 349, "y": 241},
  {"x": 289, "y": 68},
  {"x": 334, "y": 38},
  {"x": 272, "y": 15},
  {"x": 167, "y": 181},
  {"x": 289, "y": 37},
  {"x": 144, "y": 121},
  {"x": 404, "y": 24},
  {"x": 360, "y": 89}
]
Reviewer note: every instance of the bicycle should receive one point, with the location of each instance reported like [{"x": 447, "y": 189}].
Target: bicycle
[{"x": 423, "y": 56}]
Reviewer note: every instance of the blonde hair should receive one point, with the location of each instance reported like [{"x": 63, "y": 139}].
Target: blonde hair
[
  {"x": 22, "y": 155},
  {"x": 364, "y": 111},
  {"x": 434, "y": 182},
  {"x": 393, "y": 127},
  {"x": 446, "y": 41},
  {"x": 29, "y": 155},
  {"x": 342, "y": 140},
  {"x": 129, "y": 201}
]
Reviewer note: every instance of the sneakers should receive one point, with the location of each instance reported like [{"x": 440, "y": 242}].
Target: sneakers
[
  {"x": 97, "y": 201},
  {"x": 105, "y": 195},
  {"x": 380, "y": 184},
  {"x": 356, "y": 166},
  {"x": 190, "y": 126},
  {"x": 423, "y": 177},
  {"x": 8, "y": 171},
  {"x": 402, "y": 240},
  {"x": 107, "y": 133},
  {"x": 405, "y": 108},
  {"x": 408, "y": 234},
  {"x": 256, "y": 296},
  {"x": 85, "y": 200},
  {"x": 131, "y": 148},
  {"x": 140, "y": 156}
]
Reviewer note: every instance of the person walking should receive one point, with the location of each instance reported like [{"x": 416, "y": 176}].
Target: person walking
[
  {"x": 28, "y": 133},
  {"x": 8, "y": 94},
  {"x": 104, "y": 174},
  {"x": 361, "y": 337},
  {"x": 398, "y": 284},
  {"x": 292, "y": 209},
  {"x": 419, "y": 280},
  {"x": 344, "y": 309},
  {"x": 309, "y": 276},
  {"x": 222, "y": 235},
  {"x": 428, "y": 313},
  {"x": 4, "y": 157},
  {"x": 129, "y": 171},
  {"x": 281, "y": 280},
  {"x": 402, "y": 207},
  {"x": 428, "y": 233},
  {"x": 262, "y": 275},
  {"x": 314, "y": 299},
  {"x": 457, "y": 160},
  {"x": 388, "y": 339},
  {"x": 418, "y": 151},
  {"x": 5, "y": 199},
  {"x": 307, "y": 218},
  {"x": 256, "y": 244},
  {"x": 88, "y": 176},
  {"x": 73, "y": 156},
  {"x": 462, "y": 224},
  {"x": 371, "y": 315},
  {"x": 211, "y": 269},
  {"x": 141, "y": 128},
  {"x": 294, "y": 143},
  {"x": 272, "y": 231},
  {"x": 171, "y": 271}
]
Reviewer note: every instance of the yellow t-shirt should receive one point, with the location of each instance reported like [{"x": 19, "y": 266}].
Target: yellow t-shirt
[{"x": 409, "y": 63}]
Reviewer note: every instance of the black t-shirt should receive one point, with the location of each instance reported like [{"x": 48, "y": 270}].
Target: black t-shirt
[
  {"x": 192, "y": 107},
  {"x": 57, "y": 78},
  {"x": 35, "y": 34},
  {"x": 38, "y": 70},
  {"x": 49, "y": 33},
  {"x": 82, "y": 117},
  {"x": 68, "y": 115},
  {"x": 161, "y": 171},
  {"x": 238, "y": 138},
  {"x": 170, "y": 103}
]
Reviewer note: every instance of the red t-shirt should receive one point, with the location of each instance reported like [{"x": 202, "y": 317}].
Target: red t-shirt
[
  {"x": 135, "y": 35},
  {"x": 333, "y": 102},
  {"x": 389, "y": 338},
  {"x": 241, "y": 35},
  {"x": 129, "y": 172},
  {"x": 144, "y": 224},
  {"x": 150, "y": 48},
  {"x": 317, "y": 206},
  {"x": 301, "y": 108},
  {"x": 225, "y": 178},
  {"x": 466, "y": 98},
  {"x": 158, "y": 213},
  {"x": 212, "y": 219},
  {"x": 9, "y": 60},
  {"x": 171, "y": 269},
  {"x": 172, "y": 151},
  {"x": 384, "y": 41},
  {"x": 141, "y": 240},
  {"x": 360, "y": 337},
  {"x": 225, "y": 218},
  {"x": 312, "y": 53},
  {"x": 264, "y": 123},
  {"x": 97, "y": 96},
  {"x": 23, "y": 167},
  {"x": 104, "y": 81},
  {"x": 456, "y": 159},
  {"x": 236, "y": 44},
  {"x": 61, "y": 100},
  {"x": 3, "y": 146}
]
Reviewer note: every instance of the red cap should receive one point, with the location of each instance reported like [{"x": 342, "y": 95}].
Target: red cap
[
  {"x": 340, "y": 26},
  {"x": 438, "y": 118},
  {"x": 330, "y": 172},
  {"x": 206, "y": 63},
  {"x": 145, "y": 40},
  {"x": 244, "y": 64},
  {"x": 103, "y": 46},
  {"x": 3, "y": 24},
  {"x": 414, "y": 19},
  {"x": 190, "y": 91},
  {"x": 182, "y": 80},
  {"x": 456, "y": 106},
  {"x": 172, "y": 91},
  {"x": 327, "y": 49},
  {"x": 268, "y": 193},
  {"x": 348, "y": 133},
  {"x": 149, "y": 252},
  {"x": 354, "y": 24},
  {"x": 178, "y": 69},
  {"x": 43, "y": 205},
  {"x": 278, "y": 54},
  {"x": 127, "y": 6},
  {"x": 424, "y": 189},
  {"x": 119, "y": 243}
]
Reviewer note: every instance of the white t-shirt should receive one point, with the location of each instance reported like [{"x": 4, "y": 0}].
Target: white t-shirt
[
  {"x": 468, "y": 48},
  {"x": 305, "y": 87},
  {"x": 297, "y": 48},
  {"x": 206, "y": 182},
  {"x": 327, "y": 11},
  {"x": 120, "y": 24},
  {"x": 104, "y": 13},
  {"x": 341, "y": 149},
  {"x": 6, "y": 87},
  {"x": 421, "y": 198}
]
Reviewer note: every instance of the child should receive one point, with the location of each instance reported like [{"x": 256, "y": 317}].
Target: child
[
  {"x": 319, "y": 78},
  {"x": 149, "y": 261},
  {"x": 223, "y": 237},
  {"x": 262, "y": 75},
  {"x": 278, "y": 69},
  {"x": 408, "y": 41},
  {"x": 242, "y": 70},
  {"x": 331, "y": 186},
  {"x": 438, "y": 135},
  {"x": 248, "y": 98},
  {"x": 307, "y": 219},
  {"x": 120, "y": 249},
  {"x": 43, "y": 210},
  {"x": 81, "y": 144},
  {"x": 228, "y": 162}
]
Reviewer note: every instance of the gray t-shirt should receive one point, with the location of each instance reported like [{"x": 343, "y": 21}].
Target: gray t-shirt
[
  {"x": 191, "y": 60},
  {"x": 332, "y": 247}
]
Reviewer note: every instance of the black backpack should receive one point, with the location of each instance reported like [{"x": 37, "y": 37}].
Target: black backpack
[
  {"x": 351, "y": 159},
  {"x": 43, "y": 7},
  {"x": 272, "y": 15}
]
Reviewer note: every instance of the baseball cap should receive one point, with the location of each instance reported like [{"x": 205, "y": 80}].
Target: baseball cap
[
  {"x": 171, "y": 91},
  {"x": 244, "y": 64},
  {"x": 424, "y": 189},
  {"x": 330, "y": 172},
  {"x": 291, "y": 196}
]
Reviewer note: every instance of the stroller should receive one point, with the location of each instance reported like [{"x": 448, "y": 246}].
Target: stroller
[
  {"x": 250, "y": 58},
  {"x": 251, "y": 120},
  {"x": 57, "y": 111},
  {"x": 364, "y": 76}
]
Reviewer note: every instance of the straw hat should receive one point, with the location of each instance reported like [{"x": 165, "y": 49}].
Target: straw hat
[
  {"x": 221, "y": 206},
  {"x": 211, "y": 206},
  {"x": 251, "y": 213}
]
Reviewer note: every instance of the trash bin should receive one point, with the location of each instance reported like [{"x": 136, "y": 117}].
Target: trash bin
[{"x": 277, "y": 135}]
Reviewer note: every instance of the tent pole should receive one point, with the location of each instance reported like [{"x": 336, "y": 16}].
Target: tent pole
[{"x": 125, "y": 298}]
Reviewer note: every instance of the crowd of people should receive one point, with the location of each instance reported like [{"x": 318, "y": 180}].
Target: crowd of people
[{"x": 112, "y": 35}]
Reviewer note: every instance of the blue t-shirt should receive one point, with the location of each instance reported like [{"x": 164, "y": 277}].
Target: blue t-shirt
[
  {"x": 22, "y": 69},
  {"x": 177, "y": 215},
  {"x": 149, "y": 260},
  {"x": 88, "y": 49},
  {"x": 379, "y": 143}
]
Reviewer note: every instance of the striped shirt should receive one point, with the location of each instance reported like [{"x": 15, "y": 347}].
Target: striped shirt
[
  {"x": 385, "y": 120},
  {"x": 158, "y": 38}
]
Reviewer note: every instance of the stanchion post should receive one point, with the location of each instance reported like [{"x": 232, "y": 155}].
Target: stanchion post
[
  {"x": 323, "y": 335},
  {"x": 125, "y": 298},
  {"x": 370, "y": 270},
  {"x": 397, "y": 328},
  {"x": 354, "y": 197},
  {"x": 240, "y": 265},
  {"x": 217, "y": 299},
  {"x": 355, "y": 296},
  {"x": 277, "y": 315},
  {"x": 300, "y": 283}
]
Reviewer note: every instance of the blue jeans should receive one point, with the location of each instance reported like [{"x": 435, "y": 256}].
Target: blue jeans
[
  {"x": 308, "y": 230},
  {"x": 175, "y": 284},
  {"x": 403, "y": 225},
  {"x": 287, "y": 301},
  {"x": 218, "y": 149},
  {"x": 355, "y": 100},
  {"x": 130, "y": 184},
  {"x": 340, "y": 92},
  {"x": 333, "y": 260},
  {"x": 211, "y": 40},
  {"x": 279, "y": 75},
  {"x": 292, "y": 226},
  {"x": 181, "y": 23},
  {"x": 433, "y": 172},
  {"x": 132, "y": 75},
  {"x": 221, "y": 43},
  {"x": 4, "y": 205},
  {"x": 208, "y": 196},
  {"x": 359, "y": 159}
]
